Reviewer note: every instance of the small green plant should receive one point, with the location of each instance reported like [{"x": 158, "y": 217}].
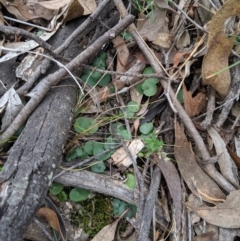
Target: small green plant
[
  {"x": 85, "y": 125},
  {"x": 120, "y": 206},
  {"x": 146, "y": 128},
  {"x": 127, "y": 36},
  {"x": 99, "y": 167},
  {"x": 149, "y": 86},
  {"x": 121, "y": 130},
  {"x": 152, "y": 144},
  {"x": 62, "y": 196},
  {"x": 131, "y": 181},
  {"x": 94, "y": 77},
  {"x": 142, "y": 6},
  {"x": 56, "y": 188},
  {"x": 78, "y": 194}
]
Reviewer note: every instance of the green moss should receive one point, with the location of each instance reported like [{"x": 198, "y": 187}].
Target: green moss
[{"x": 94, "y": 214}]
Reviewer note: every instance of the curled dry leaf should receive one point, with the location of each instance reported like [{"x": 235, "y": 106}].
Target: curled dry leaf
[
  {"x": 227, "y": 166},
  {"x": 219, "y": 48},
  {"x": 225, "y": 214},
  {"x": 107, "y": 233},
  {"x": 205, "y": 236},
  {"x": 193, "y": 105},
  {"x": 150, "y": 29},
  {"x": 122, "y": 159},
  {"x": 234, "y": 156},
  {"x": 51, "y": 218},
  {"x": 192, "y": 173}
]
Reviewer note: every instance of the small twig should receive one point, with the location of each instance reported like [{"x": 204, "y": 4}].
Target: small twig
[
  {"x": 210, "y": 109},
  {"x": 149, "y": 205},
  {"x": 20, "y": 32},
  {"x": 233, "y": 93}
]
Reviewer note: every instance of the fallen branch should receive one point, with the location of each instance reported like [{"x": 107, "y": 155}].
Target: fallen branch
[{"x": 52, "y": 79}]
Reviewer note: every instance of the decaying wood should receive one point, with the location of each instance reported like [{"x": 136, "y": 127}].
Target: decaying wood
[{"x": 33, "y": 160}]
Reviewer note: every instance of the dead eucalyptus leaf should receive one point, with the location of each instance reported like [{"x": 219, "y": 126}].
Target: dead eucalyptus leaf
[
  {"x": 51, "y": 218},
  {"x": 193, "y": 105},
  {"x": 173, "y": 181},
  {"x": 219, "y": 48},
  {"x": 107, "y": 233},
  {"x": 191, "y": 172},
  {"x": 225, "y": 162},
  {"x": 12, "y": 104},
  {"x": 225, "y": 214}
]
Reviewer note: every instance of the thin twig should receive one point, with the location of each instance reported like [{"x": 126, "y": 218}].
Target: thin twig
[
  {"x": 149, "y": 205},
  {"x": 210, "y": 109},
  {"x": 8, "y": 30}
]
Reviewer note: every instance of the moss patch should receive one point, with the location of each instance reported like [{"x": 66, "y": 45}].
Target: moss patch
[{"x": 93, "y": 214}]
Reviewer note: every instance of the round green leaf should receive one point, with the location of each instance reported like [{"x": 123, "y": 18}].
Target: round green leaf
[
  {"x": 139, "y": 88},
  {"x": 96, "y": 62},
  {"x": 110, "y": 143},
  {"x": 62, "y": 196},
  {"x": 131, "y": 182},
  {"x": 78, "y": 194},
  {"x": 87, "y": 72},
  {"x": 152, "y": 80},
  {"x": 149, "y": 88},
  {"x": 125, "y": 134},
  {"x": 105, "y": 80},
  {"x": 88, "y": 147},
  {"x": 116, "y": 203},
  {"x": 85, "y": 125},
  {"x": 56, "y": 188},
  {"x": 99, "y": 148},
  {"x": 148, "y": 70},
  {"x": 96, "y": 75},
  {"x": 112, "y": 89},
  {"x": 89, "y": 79},
  {"x": 81, "y": 153},
  {"x": 133, "y": 106},
  {"x": 180, "y": 96},
  {"x": 98, "y": 167},
  {"x": 71, "y": 155},
  {"x": 117, "y": 126},
  {"x": 121, "y": 209},
  {"x": 103, "y": 56},
  {"x": 146, "y": 128}
]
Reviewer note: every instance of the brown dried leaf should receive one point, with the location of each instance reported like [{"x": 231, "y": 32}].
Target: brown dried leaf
[
  {"x": 122, "y": 159},
  {"x": 155, "y": 24},
  {"x": 107, "y": 233},
  {"x": 225, "y": 214},
  {"x": 225, "y": 162},
  {"x": 234, "y": 156},
  {"x": 204, "y": 237},
  {"x": 191, "y": 172},
  {"x": 172, "y": 178},
  {"x": 122, "y": 54},
  {"x": 193, "y": 105},
  {"x": 51, "y": 218},
  {"x": 219, "y": 48}
]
